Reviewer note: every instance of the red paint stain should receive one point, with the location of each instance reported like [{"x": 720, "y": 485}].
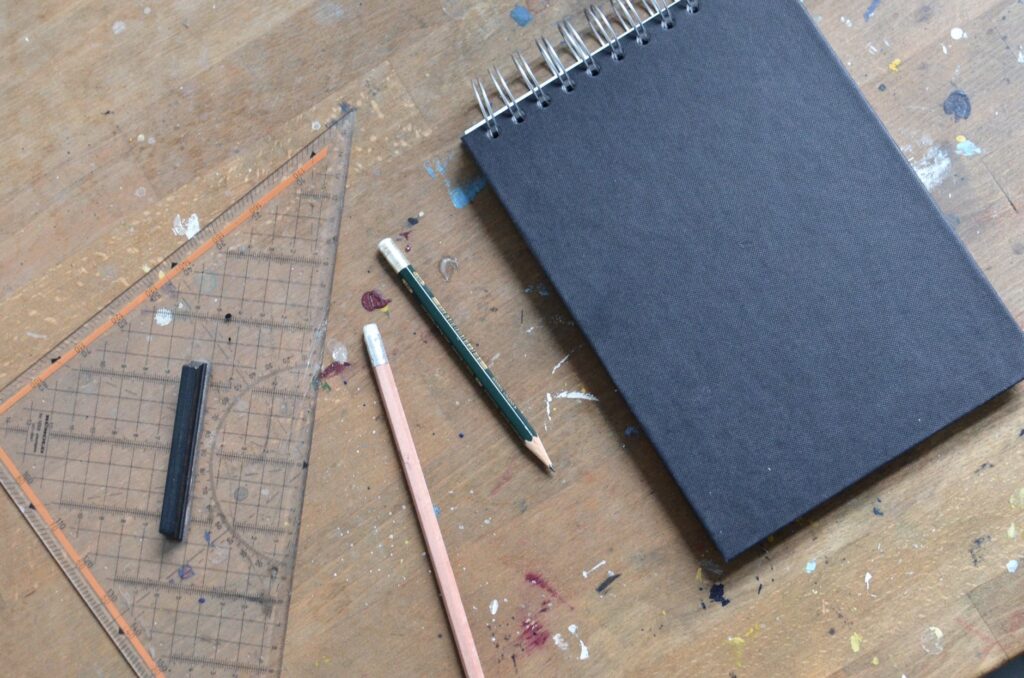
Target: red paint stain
[
  {"x": 532, "y": 635},
  {"x": 539, "y": 581},
  {"x": 502, "y": 479},
  {"x": 988, "y": 642},
  {"x": 374, "y": 300},
  {"x": 333, "y": 370}
]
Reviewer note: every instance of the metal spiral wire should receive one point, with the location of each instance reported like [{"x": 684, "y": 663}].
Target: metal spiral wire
[{"x": 625, "y": 14}]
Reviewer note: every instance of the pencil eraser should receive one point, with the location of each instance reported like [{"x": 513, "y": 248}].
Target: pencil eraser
[
  {"x": 374, "y": 345},
  {"x": 393, "y": 254}
]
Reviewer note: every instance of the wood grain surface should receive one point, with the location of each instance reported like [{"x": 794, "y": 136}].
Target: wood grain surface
[{"x": 118, "y": 116}]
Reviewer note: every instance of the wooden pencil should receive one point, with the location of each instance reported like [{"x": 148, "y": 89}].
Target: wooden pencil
[{"x": 422, "y": 503}]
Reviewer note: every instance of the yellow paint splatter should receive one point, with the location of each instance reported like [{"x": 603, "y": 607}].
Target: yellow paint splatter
[
  {"x": 895, "y": 64},
  {"x": 738, "y": 645},
  {"x": 1011, "y": 532},
  {"x": 874, "y": 661},
  {"x": 960, "y": 138},
  {"x": 700, "y": 576},
  {"x": 1017, "y": 499},
  {"x": 855, "y": 640}
]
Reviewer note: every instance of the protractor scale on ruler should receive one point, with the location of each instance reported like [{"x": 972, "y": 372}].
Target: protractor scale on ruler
[{"x": 86, "y": 433}]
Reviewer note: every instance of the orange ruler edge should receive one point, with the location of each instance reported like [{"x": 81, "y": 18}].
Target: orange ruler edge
[{"x": 83, "y": 345}]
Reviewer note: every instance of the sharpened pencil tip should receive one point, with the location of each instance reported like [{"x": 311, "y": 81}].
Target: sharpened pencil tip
[{"x": 551, "y": 469}]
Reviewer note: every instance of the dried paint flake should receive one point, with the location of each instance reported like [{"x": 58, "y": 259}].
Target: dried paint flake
[
  {"x": 339, "y": 352},
  {"x": 895, "y": 64},
  {"x": 448, "y": 266},
  {"x": 584, "y": 650},
  {"x": 560, "y": 642},
  {"x": 855, "y": 641},
  {"x": 163, "y": 317},
  {"x": 717, "y": 594},
  {"x": 332, "y": 370},
  {"x": 586, "y": 573},
  {"x": 932, "y": 640},
  {"x": 966, "y": 147},
  {"x": 867, "y": 581},
  {"x": 494, "y": 607},
  {"x": 576, "y": 395},
  {"x": 933, "y": 168},
  {"x": 872, "y": 8},
  {"x": 603, "y": 586},
  {"x": 1011, "y": 566},
  {"x": 187, "y": 229},
  {"x": 811, "y": 566},
  {"x": 957, "y": 104},
  {"x": 521, "y": 15},
  {"x": 373, "y": 300}
]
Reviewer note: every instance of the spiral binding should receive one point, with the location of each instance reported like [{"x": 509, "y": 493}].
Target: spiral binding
[{"x": 626, "y": 15}]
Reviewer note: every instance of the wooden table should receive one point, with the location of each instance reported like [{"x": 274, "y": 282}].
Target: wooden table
[{"x": 118, "y": 116}]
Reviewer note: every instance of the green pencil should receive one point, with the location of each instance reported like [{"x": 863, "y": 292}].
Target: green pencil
[{"x": 483, "y": 375}]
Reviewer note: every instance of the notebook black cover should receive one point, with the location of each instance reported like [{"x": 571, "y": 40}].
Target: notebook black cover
[{"x": 766, "y": 280}]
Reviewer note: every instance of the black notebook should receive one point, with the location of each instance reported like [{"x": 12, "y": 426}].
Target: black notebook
[{"x": 763, "y": 275}]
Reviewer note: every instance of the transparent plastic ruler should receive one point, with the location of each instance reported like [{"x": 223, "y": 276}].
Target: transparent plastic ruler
[{"x": 85, "y": 433}]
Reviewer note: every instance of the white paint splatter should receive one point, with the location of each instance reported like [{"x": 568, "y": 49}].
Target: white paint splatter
[
  {"x": 140, "y": 192},
  {"x": 931, "y": 640},
  {"x": 933, "y": 168},
  {"x": 340, "y": 352},
  {"x": 1011, "y": 566},
  {"x": 1020, "y": 55},
  {"x": 559, "y": 642},
  {"x": 146, "y": 10},
  {"x": 846, "y": 21},
  {"x": 577, "y": 395},
  {"x": 958, "y": 33},
  {"x": 586, "y": 573},
  {"x": 118, "y": 27},
  {"x": 867, "y": 580},
  {"x": 584, "y": 650},
  {"x": 163, "y": 317},
  {"x": 188, "y": 229},
  {"x": 560, "y": 362},
  {"x": 316, "y": 125},
  {"x": 811, "y": 566},
  {"x": 36, "y": 335}
]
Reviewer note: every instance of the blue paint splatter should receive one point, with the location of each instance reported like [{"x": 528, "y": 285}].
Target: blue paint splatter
[
  {"x": 521, "y": 15},
  {"x": 811, "y": 566},
  {"x": 207, "y": 537},
  {"x": 717, "y": 595},
  {"x": 968, "y": 148},
  {"x": 539, "y": 288},
  {"x": 877, "y": 511},
  {"x": 632, "y": 432},
  {"x": 437, "y": 510},
  {"x": 201, "y": 600},
  {"x": 461, "y": 195},
  {"x": 186, "y": 572},
  {"x": 872, "y": 8}
]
